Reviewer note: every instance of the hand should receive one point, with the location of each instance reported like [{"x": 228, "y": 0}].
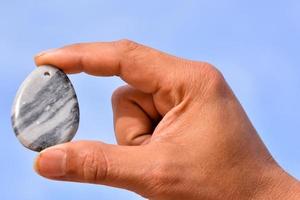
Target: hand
[{"x": 182, "y": 133}]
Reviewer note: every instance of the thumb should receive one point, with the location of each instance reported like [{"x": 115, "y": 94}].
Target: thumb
[{"x": 126, "y": 167}]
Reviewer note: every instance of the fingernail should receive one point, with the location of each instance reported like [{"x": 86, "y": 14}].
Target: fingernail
[
  {"x": 51, "y": 163},
  {"x": 44, "y": 52}
]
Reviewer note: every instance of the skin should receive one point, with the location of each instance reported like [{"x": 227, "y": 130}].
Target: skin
[{"x": 181, "y": 132}]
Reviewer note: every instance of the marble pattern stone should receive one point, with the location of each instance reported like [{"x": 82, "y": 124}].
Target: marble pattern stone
[{"x": 45, "y": 111}]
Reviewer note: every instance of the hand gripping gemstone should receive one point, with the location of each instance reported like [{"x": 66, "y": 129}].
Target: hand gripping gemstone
[{"x": 45, "y": 110}]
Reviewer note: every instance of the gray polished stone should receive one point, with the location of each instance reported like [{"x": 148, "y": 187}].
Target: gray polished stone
[{"x": 45, "y": 111}]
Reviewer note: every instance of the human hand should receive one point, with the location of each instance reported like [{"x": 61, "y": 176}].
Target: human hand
[{"x": 182, "y": 133}]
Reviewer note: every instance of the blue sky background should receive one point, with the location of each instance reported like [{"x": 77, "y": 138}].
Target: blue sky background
[{"x": 254, "y": 43}]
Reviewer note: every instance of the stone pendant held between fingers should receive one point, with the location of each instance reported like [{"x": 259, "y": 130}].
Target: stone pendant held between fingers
[{"x": 45, "y": 111}]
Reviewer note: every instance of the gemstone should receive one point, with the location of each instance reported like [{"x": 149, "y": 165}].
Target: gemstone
[{"x": 45, "y": 111}]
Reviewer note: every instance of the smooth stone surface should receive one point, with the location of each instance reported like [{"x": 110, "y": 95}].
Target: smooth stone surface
[{"x": 45, "y": 111}]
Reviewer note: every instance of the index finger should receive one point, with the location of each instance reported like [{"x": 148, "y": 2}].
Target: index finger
[{"x": 142, "y": 67}]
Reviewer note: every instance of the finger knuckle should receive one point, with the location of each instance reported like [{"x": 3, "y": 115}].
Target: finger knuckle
[
  {"x": 211, "y": 79},
  {"x": 119, "y": 94},
  {"x": 127, "y": 45},
  {"x": 92, "y": 168},
  {"x": 131, "y": 135},
  {"x": 212, "y": 72},
  {"x": 216, "y": 82}
]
